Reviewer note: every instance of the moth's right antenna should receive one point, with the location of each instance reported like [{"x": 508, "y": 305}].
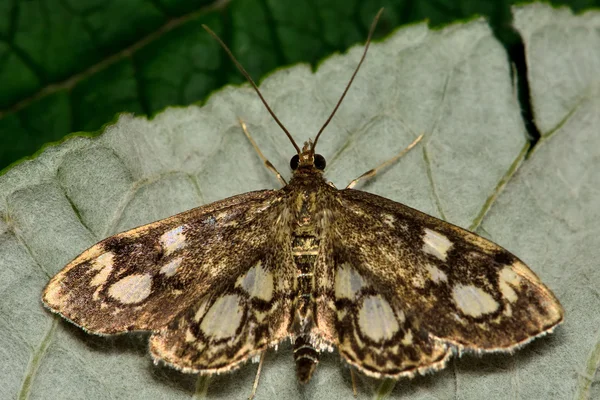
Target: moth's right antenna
[
  {"x": 247, "y": 76},
  {"x": 371, "y": 30}
]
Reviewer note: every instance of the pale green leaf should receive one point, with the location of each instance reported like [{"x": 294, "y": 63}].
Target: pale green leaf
[{"x": 454, "y": 85}]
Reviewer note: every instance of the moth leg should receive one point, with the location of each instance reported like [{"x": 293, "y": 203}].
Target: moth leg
[
  {"x": 372, "y": 172},
  {"x": 267, "y": 163},
  {"x": 353, "y": 378},
  {"x": 255, "y": 385}
]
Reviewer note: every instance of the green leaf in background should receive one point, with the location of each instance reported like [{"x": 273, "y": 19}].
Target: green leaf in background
[
  {"x": 453, "y": 85},
  {"x": 71, "y": 66}
]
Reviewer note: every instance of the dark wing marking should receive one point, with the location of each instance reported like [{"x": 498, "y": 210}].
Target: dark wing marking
[
  {"x": 143, "y": 278},
  {"x": 463, "y": 289}
]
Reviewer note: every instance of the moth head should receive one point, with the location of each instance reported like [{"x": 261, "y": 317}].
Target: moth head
[{"x": 307, "y": 158}]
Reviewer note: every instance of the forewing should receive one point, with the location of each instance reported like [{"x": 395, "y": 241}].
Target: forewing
[
  {"x": 456, "y": 286},
  {"x": 143, "y": 278}
]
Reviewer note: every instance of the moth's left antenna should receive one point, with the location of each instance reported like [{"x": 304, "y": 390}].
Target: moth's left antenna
[
  {"x": 371, "y": 30},
  {"x": 247, "y": 76}
]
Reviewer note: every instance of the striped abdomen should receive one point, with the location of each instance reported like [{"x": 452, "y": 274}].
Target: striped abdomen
[
  {"x": 306, "y": 358},
  {"x": 304, "y": 249}
]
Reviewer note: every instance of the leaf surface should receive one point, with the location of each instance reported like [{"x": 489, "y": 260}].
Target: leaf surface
[{"x": 453, "y": 84}]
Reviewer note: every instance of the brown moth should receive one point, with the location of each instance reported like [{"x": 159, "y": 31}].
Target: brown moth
[{"x": 396, "y": 291}]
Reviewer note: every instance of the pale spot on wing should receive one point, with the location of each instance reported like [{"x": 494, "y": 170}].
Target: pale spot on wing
[
  {"x": 404, "y": 227},
  {"x": 507, "y": 279},
  {"x": 283, "y": 283},
  {"x": 376, "y": 318},
  {"x": 348, "y": 282},
  {"x": 436, "y": 244},
  {"x": 173, "y": 240},
  {"x": 104, "y": 263},
  {"x": 407, "y": 340},
  {"x": 437, "y": 275},
  {"x": 55, "y": 297},
  {"x": 401, "y": 316},
  {"x": 200, "y": 345},
  {"x": 257, "y": 282},
  {"x": 388, "y": 220},
  {"x": 473, "y": 301},
  {"x": 418, "y": 281},
  {"x": 171, "y": 267},
  {"x": 96, "y": 295},
  {"x": 355, "y": 209},
  {"x": 131, "y": 289},
  {"x": 222, "y": 215},
  {"x": 201, "y": 310},
  {"x": 260, "y": 316},
  {"x": 189, "y": 336},
  {"x": 223, "y": 318}
]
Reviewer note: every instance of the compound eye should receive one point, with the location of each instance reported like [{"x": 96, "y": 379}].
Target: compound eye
[
  {"x": 320, "y": 162},
  {"x": 294, "y": 162}
]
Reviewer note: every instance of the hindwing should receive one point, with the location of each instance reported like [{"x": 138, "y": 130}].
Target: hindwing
[{"x": 232, "y": 324}]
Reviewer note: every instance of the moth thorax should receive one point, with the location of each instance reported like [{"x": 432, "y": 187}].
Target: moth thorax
[{"x": 306, "y": 357}]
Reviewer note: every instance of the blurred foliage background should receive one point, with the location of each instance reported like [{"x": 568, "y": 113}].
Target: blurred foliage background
[{"x": 70, "y": 66}]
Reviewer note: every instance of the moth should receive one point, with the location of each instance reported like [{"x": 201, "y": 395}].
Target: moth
[{"x": 395, "y": 291}]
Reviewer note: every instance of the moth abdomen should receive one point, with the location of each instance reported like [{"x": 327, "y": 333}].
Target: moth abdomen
[
  {"x": 304, "y": 251},
  {"x": 306, "y": 358}
]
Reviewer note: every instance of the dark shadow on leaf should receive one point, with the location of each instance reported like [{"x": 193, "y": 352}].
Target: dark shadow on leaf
[
  {"x": 221, "y": 387},
  {"x": 411, "y": 387},
  {"x": 133, "y": 343},
  {"x": 488, "y": 363},
  {"x": 173, "y": 378}
]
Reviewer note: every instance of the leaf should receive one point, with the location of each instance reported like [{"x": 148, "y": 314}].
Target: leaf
[
  {"x": 556, "y": 196},
  {"x": 453, "y": 85},
  {"x": 71, "y": 66}
]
